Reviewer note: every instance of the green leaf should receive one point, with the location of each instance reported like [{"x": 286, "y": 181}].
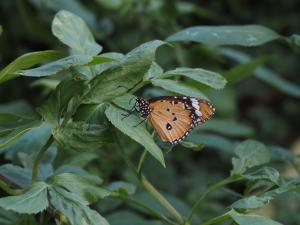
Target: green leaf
[
  {"x": 73, "y": 31},
  {"x": 287, "y": 186},
  {"x": 74, "y": 209},
  {"x": 33, "y": 201},
  {"x": 250, "y": 153},
  {"x": 280, "y": 153},
  {"x": 124, "y": 75},
  {"x": 266, "y": 173},
  {"x": 53, "y": 68},
  {"x": 126, "y": 217},
  {"x": 227, "y": 127},
  {"x": 81, "y": 136},
  {"x": 16, "y": 174},
  {"x": 243, "y": 35},
  {"x": 138, "y": 133},
  {"x": 122, "y": 187},
  {"x": 209, "y": 78},
  {"x": 57, "y": 104},
  {"x": 31, "y": 142},
  {"x": 192, "y": 145},
  {"x": 250, "y": 219},
  {"x": 252, "y": 202},
  {"x": 178, "y": 87},
  {"x": 82, "y": 187},
  {"x": 26, "y": 61},
  {"x": 154, "y": 71},
  {"x": 264, "y": 74},
  {"x": 13, "y": 134},
  {"x": 213, "y": 141},
  {"x": 244, "y": 70}
]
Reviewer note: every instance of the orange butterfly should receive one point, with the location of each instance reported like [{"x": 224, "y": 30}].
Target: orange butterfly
[{"x": 173, "y": 117}]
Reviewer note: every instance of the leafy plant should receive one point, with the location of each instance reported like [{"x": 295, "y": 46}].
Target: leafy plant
[{"x": 62, "y": 156}]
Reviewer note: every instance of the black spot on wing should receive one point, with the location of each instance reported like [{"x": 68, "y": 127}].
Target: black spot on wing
[{"x": 169, "y": 126}]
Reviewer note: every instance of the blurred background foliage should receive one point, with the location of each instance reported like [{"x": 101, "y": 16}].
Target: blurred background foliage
[{"x": 261, "y": 107}]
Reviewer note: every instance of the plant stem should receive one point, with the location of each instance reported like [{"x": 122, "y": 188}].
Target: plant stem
[
  {"x": 148, "y": 186},
  {"x": 4, "y": 186},
  {"x": 217, "y": 219},
  {"x": 39, "y": 158},
  {"x": 161, "y": 199},
  {"x": 150, "y": 210},
  {"x": 211, "y": 189},
  {"x": 141, "y": 162}
]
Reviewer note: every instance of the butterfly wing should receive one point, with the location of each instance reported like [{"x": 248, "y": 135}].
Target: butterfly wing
[
  {"x": 171, "y": 120},
  {"x": 174, "y": 117},
  {"x": 207, "y": 110}
]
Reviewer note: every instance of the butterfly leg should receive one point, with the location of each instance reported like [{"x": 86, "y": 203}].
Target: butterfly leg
[
  {"x": 125, "y": 115},
  {"x": 140, "y": 122}
]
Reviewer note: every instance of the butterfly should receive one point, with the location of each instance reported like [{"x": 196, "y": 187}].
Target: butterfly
[{"x": 174, "y": 117}]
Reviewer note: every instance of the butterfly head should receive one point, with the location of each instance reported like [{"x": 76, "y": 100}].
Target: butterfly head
[{"x": 143, "y": 107}]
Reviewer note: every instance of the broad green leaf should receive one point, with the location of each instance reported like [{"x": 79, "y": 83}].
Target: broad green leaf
[
  {"x": 126, "y": 217},
  {"x": 137, "y": 133},
  {"x": 53, "y": 68},
  {"x": 227, "y": 127},
  {"x": 18, "y": 107},
  {"x": 250, "y": 219},
  {"x": 192, "y": 145},
  {"x": 29, "y": 143},
  {"x": 15, "y": 133},
  {"x": 68, "y": 168},
  {"x": 26, "y": 61},
  {"x": 80, "y": 186},
  {"x": 124, "y": 75},
  {"x": 252, "y": 202},
  {"x": 243, "y": 35},
  {"x": 122, "y": 187},
  {"x": 72, "y": 31},
  {"x": 209, "y": 78},
  {"x": 264, "y": 74},
  {"x": 17, "y": 174},
  {"x": 46, "y": 83},
  {"x": 243, "y": 70},
  {"x": 154, "y": 71},
  {"x": 81, "y": 136},
  {"x": 74, "y": 209},
  {"x": 280, "y": 153},
  {"x": 178, "y": 87},
  {"x": 213, "y": 141},
  {"x": 33, "y": 201},
  {"x": 9, "y": 218},
  {"x": 287, "y": 186},
  {"x": 265, "y": 173},
  {"x": 294, "y": 39},
  {"x": 249, "y": 153},
  {"x": 57, "y": 104}
]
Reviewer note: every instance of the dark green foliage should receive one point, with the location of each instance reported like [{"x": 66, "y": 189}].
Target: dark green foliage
[{"x": 68, "y": 155}]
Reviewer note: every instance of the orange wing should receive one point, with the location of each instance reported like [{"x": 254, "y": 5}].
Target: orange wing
[
  {"x": 206, "y": 110},
  {"x": 172, "y": 121}
]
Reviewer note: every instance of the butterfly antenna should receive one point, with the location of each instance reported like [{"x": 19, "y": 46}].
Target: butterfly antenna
[{"x": 125, "y": 115}]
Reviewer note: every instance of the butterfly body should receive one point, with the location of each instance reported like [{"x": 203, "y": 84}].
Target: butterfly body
[{"x": 173, "y": 117}]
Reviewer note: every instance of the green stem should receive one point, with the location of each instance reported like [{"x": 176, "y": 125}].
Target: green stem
[
  {"x": 217, "y": 219},
  {"x": 148, "y": 186},
  {"x": 161, "y": 199},
  {"x": 141, "y": 162},
  {"x": 5, "y": 187},
  {"x": 39, "y": 158},
  {"x": 211, "y": 189},
  {"x": 150, "y": 210}
]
